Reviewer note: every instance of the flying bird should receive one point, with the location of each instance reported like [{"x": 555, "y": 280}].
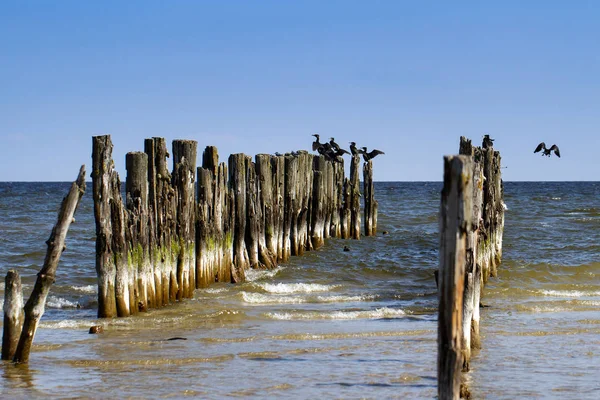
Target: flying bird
[
  {"x": 368, "y": 155},
  {"x": 547, "y": 152}
]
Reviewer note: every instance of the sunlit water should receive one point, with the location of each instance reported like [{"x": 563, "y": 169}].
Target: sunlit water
[{"x": 330, "y": 324}]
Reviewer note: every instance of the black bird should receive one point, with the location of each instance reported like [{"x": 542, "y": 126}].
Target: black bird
[
  {"x": 316, "y": 144},
  {"x": 487, "y": 141},
  {"x": 547, "y": 152},
  {"x": 368, "y": 155},
  {"x": 353, "y": 149},
  {"x": 333, "y": 144}
]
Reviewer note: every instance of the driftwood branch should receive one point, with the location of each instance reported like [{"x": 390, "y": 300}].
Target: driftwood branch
[{"x": 34, "y": 309}]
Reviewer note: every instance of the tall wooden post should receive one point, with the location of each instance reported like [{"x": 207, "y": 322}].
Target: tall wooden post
[
  {"x": 355, "y": 197},
  {"x": 237, "y": 186},
  {"x": 278, "y": 164},
  {"x": 455, "y": 223},
  {"x": 141, "y": 271},
  {"x": 369, "y": 199},
  {"x": 318, "y": 199},
  {"x": 111, "y": 251},
  {"x": 13, "y": 314},
  {"x": 266, "y": 236},
  {"x": 184, "y": 178}
]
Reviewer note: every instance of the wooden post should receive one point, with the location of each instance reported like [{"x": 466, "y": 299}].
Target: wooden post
[
  {"x": 13, "y": 314},
  {"x": 355, "y": 197},
  {"x": 184, "y": 178},
  {"x": 237, "y": 186},
  {"x": 291, "y": 209},
  {"x": 35, "y": 306},
  {"x": 267, "y": 239},
  {"x": 337, "y": 197},
  {"x": 318, "y": 206},
  {"x": 278, "y": 164},
  {"x": 369, "y": 199},
  {"x": 305, "y": 186},
  {"x": 111, "y": 252},
  {"x": 455, "y": 222},
  {"x": 346, "y": 211},
  {"x": 253, "y": 215},
  {"x": 162, "y": 204},
  {"x": 141, "y": 271}
]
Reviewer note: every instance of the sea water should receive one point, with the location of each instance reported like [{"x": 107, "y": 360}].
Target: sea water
[{"x": 330, "y": 324}]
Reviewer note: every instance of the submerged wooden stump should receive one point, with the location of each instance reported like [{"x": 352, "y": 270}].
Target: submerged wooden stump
[
  {"x": 455, "y": 223},
  {"x": 13, "y": 314}
]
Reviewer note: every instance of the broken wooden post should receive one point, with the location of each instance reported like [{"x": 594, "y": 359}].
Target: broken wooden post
[
  {"x": 237, "y": 186},
  {"x": 369, "y": 200},
  {"x": 13, "y": 314},
  {"x": 35, "y": 306},
  {"x": 141, "y": 270},
  {"x": 111, "y": 252},
  {"x": 455, "y": 223},
  {"x": 184, "y": 178}
]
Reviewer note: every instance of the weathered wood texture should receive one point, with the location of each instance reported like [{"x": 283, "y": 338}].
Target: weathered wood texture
[
  {"x": 171, "y": 239},
  {"x": 111, "y": 256},
  {"x": 355, "y": 197},
  {"x": 13, "y": 314},
  {"x": 369, "y": 200},
  {"x": 35, "y": 307},
  {"x": 455, "y": 224}
]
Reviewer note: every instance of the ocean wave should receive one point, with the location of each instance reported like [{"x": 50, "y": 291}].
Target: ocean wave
[
  {"x": 85, "y": 289},
  {"x": 570, "y": 293},
  {"x": 66, "y": 324},
  {"x": 378, "y": 313},
  {"x": 259, "y": 298},
  {"x": 284, "y": 288},
  {"x": 258, "y": 274},
  {"x": 214, "y": 290},
  {"x": 59, "y": 302},
  {"x": 345, "y": 299}
]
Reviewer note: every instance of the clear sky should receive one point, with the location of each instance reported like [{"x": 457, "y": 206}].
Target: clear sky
[{"x": 405, "y": 77}]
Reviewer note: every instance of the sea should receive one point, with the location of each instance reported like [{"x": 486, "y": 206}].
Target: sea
[{"x": 332, "y": 324}]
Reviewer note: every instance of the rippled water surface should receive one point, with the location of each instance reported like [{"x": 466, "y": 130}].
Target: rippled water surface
[{"x": 330, "y": 324}]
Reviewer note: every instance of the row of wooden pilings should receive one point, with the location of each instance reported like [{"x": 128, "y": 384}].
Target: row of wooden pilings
[
  {"x": 471, "y": 228},
  {"x": 185, "y": 229}
]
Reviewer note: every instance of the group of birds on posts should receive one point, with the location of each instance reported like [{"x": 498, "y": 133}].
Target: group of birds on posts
[{"x": 333, "y": 152}]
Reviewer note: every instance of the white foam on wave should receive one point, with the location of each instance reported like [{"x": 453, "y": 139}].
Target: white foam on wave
[
  {"x": 378, "y": 313},
  {"x": 85, "y": 289},
  {"x": 258, "y": 274},
  {"x": 259, "y": 298},
  {"x": 345, "y": 299},
  {"x": 66, "y": 324},
  {"x": 284, "y": 288},
  {"x": 214, "y": 290},
  {"x": 59, "y": 302},
  {"x": 504, "y": 206},
  {"x": 570, "y": 293}
]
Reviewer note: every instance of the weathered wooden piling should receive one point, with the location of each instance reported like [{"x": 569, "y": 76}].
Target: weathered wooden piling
[
  {"x": 163, "y": 205},
  {"x": 13, "y": 314},
  {"x": 111, "y": 252},
  {"x": 369, "y": 200},
  {"x": 455, "y": 224},
  {"x": 184, "y": 178},
  {"x": 242, "y": 215},
  {"x": 35, "y": 307},
  {"x": 141, "y": 270},
  {"x": 355, "y": 197},
  {"x": 238, "y": 165}
]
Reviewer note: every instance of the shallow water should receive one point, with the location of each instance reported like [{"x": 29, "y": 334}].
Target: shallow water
[{"x": 331, "y": 324}]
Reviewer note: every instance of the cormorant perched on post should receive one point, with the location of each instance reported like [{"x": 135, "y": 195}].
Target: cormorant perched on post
[
  {"x": 316, "y": 144},
  {"x": 353, "y": 149},
  {"x": 542, "y": 146},
  {"x": 333, "y": 144},
  {"x": 487, "y": 141},
  {"x": 368, "y": 155}
]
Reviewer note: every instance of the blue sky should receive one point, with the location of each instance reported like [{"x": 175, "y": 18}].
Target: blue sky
[{"x": 405, "y": 77}]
